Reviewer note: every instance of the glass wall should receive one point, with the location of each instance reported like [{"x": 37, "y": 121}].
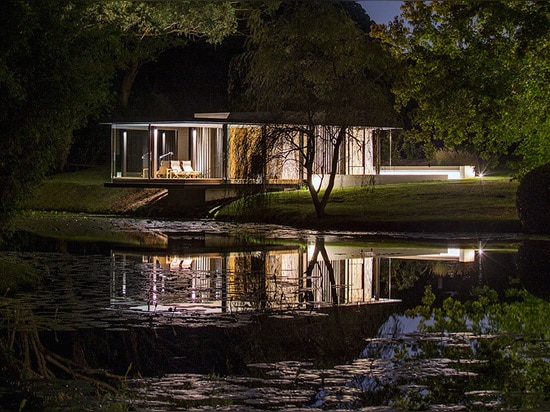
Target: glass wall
[
  {"x": 158, "y": 151},
  {"x": 359, "y": 156},
  {"x": 165, "y": 149},
  {"x": 150, "y": 152},
  {"x": 264, "y": 151},
  {"x": 130, "y": 152},
  {"x": 207, "y": 149}
]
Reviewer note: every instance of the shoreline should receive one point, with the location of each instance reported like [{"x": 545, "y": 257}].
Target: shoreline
[{"x": 106, "y": 226}]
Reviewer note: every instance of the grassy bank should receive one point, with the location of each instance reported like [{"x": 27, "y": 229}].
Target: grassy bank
[
  {"x": 77, "y": 192},
  {"x": 476, "y": 205},
  {"x": 83, "y": 192},
  {"x": 486, "y": 204}
]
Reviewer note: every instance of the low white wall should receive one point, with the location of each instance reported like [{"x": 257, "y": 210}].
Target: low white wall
[
  {"x": 452, "y": 172},
  {"x": 400, "y": 174}
]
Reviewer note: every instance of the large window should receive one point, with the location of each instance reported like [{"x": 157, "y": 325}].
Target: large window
[
  {"x": 130, "y": 152},
  {"x": 207, "y": 143},
  {"x": 359, "y": 152}
]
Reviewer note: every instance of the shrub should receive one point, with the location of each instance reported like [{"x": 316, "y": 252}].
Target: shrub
[{"x": 533, "y": 200}]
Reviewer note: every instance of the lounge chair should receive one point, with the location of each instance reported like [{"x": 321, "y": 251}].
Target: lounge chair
[{"x": 183, "y": 169}]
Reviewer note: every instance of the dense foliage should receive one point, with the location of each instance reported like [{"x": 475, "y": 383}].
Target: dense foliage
[
  {"x": 55, "y": 71},
  {"x": 475, "y": 75},
  {"x": 533, "y": 200},
  {"x": 58, "y": 64},
  {"x": 508, "y": 335},
  {"x": 145, "y": 29},
  {"x": 310, "y": 63}
]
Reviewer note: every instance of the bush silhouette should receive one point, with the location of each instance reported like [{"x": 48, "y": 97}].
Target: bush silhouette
[{"x": 533, "y": 200}]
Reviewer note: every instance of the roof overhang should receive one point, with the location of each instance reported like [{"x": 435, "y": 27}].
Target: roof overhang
[{"x": 219, "y": 119}]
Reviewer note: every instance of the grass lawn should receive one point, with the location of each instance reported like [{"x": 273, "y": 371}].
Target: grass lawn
[
  {"x": 487, "y": 204},
  {"x": 466, "y": 205},
  {"x": 83, "y": 192}
]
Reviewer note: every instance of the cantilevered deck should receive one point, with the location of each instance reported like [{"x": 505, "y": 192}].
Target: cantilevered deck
[{"x": 196, "y": 191}]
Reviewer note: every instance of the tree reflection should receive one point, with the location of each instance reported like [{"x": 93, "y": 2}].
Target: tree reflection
[
  {"x": 307, "y": 294},
  {"x": 405, "y": 273},
  {"x": 250, "y": 280}
]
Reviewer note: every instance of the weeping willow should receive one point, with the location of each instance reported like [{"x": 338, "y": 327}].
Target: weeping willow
[
  {"x": 247, "y": 154},
  {"x": 247, "y": 164}
]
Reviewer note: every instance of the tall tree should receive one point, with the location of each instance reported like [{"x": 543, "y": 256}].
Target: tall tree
[
  {"x": 310, "y": 59},
  {"x": 148, "y": 28},
  {"x": 475, "y": 74},
  {"x": 58, "y": 61},
  {"x": 55, "y": 71}
]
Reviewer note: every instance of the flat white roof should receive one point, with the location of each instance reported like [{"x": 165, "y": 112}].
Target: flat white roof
[
  {"x": 219, "y": 116},
  {"x": 175, "y": 124}
]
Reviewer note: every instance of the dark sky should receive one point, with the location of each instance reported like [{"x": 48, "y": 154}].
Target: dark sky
[{"x": 381, "y": 11}]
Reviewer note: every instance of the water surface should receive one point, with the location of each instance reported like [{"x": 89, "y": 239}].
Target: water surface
[{"x": 206, "y": 315}]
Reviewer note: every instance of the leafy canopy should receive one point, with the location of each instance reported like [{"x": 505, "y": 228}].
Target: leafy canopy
[
  {"x": 517, "y": 328},
  {"x": 309, "y": 64},
  {"x": 312, "y": 58},
  {"x": 475, "y": 74},
  {"x": 58, "y": 63}
]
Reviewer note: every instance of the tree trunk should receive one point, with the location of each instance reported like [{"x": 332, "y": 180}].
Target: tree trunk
[
  {"x": 334, "y": 165},
  {"x": 321, "y": 203},
  {"x": 126, "y": 85},
  {"x": 330, "y": 268},
  {"x": 308, "y": 163}
]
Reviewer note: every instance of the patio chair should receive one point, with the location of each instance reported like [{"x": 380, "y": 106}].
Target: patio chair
[
  {"x": 164, "y": 169},
  {"x": 183, "y": 169}
]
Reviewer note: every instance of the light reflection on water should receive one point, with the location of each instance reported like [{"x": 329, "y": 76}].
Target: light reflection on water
[
  {"x": 282, "y": 278},
  {"x": 90, "y": 290},
  {"x": 316, "y": 323}
]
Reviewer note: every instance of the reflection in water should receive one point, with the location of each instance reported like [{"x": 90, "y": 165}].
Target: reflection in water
[
  {"x": 261, "y": 325},
  {"x": 311, "y": 276}
]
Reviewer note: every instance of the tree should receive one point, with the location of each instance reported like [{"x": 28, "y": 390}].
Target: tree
[
  {"x": 58, "y": 61},
  {"x": 145, "y": 29},
  {"x": 310, "y": 65},
  {"x": 55, "y": 71},
  {"x": 475, "y": 74},
  {"x": 509, "y": 335}
]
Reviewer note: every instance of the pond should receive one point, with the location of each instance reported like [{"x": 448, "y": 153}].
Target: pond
[{"x": 205, "y": 315}]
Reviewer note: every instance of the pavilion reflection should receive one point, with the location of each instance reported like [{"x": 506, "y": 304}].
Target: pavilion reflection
[{"x": 220, "y": 278}]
